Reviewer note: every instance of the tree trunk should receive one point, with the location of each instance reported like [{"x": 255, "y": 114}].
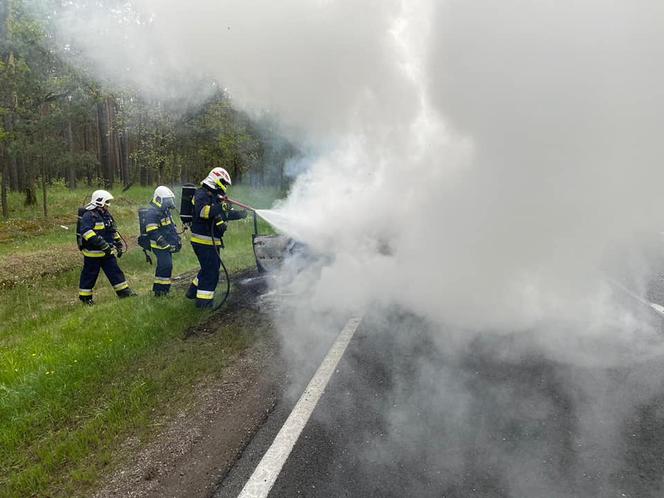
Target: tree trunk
[
  {"x": 86, "y": 148},
  {"x": 30, "y": 194},
  {"x": 162, "y": 162},
  {"x": 261, "y": 167},
  {"x": 10, "y": 62},
  {"x": 282, "y": 177},
  {"x": 5, "y": 182},
  {"x": 114, "y": 141},
  {"x": 94, "y": 139},
  {"x": 29, "y": 177},
  {"x": 21, "y": 174},
  {"x": 44, "y": 197},
  {"x": 124, "y": 157},
  {"x": 71, "y": 164},
  {"x": 237, "y": 175},
  {"x": 6, "y": 57},
  {"x": 113, "y": 150},
  {"x": 5, "y": 6},
  {"x": 104, "y": 143},
  {"x": 13, "y": 173},
  {"x": 175, "y": 172}
]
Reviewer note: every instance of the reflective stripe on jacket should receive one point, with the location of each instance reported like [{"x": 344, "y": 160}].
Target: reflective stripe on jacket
[
  {"x": 160, "y": 228},
  {"x": 210, "y": 217},
  {"x": 98, "y": 230}
]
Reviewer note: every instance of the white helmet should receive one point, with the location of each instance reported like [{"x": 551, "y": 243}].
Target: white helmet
[
  {"x": 164, "y": 197},
  {"x": 218, "y": 179},
  {"x": 99, "y": 198}
]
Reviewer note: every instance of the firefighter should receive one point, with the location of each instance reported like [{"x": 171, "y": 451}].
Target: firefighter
[
  {"x": 164, "y": 238},
  {"x": 100, "y": 243},
  {"x": 207, "y": 230}
]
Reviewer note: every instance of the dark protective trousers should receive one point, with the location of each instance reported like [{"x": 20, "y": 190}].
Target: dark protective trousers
[
  {"x": 205, "y": 283},
  {"x": 90, "y": 272},
  {"x": 163, "y": 272}
]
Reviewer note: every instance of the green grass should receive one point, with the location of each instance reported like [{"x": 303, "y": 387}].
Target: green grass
[{"x": 75, "y": 380}]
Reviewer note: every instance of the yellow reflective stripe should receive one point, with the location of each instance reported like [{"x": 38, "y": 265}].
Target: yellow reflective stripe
[
  {"x": 121, "y": 285},
  {"x": 151, "y": 226},
  {"x": 99, "y": 226},
  {"x": 93, "y": 253},
  {"x": 201, "y": 294},
  {"x": 198, "y": 239},
  {"x": 163, "y": 281},
  {"x": 165, "y": 221},
  {"x": 84, "y": 292},
  {"x": 205, "y": 212},
  {"x": 154, "y": 245},
  {"x": 89, "y": 234},
  {"x": 195, "y": 281},
  {"x": 116, "y": 236},
  {"x": 219, "y": 223}
]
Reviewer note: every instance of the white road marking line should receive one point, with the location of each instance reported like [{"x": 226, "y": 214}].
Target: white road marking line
[
  {"x": 261, "y": 481},
  {"x": 654, "y": 306}
]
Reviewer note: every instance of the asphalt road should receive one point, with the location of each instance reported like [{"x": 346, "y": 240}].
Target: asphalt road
[{"x": 417, "y": 411}]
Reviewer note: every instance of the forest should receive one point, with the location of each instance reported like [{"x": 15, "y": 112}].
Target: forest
[{"x": 61, "y": 123}]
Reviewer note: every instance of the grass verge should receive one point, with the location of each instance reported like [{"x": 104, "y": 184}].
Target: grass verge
[{"x": 74, "y": 381}]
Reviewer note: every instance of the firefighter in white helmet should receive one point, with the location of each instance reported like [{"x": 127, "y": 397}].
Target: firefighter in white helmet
[
  {"x": 100, "y": 243},
  {"x": 207, "y": 230},
  {"x": 163, "y": 236}
]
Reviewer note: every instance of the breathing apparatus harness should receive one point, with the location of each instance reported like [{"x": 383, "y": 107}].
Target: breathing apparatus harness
[{"x": 143, "y": 238}]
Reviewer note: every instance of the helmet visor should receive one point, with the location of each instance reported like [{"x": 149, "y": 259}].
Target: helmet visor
[{"x": 221, "y": 184}]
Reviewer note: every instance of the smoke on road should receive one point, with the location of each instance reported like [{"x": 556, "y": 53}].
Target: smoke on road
[{"x": 472, "y": 162}]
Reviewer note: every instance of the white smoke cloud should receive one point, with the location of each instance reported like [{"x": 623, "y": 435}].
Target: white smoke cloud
[{"x": 557, "y": 104}]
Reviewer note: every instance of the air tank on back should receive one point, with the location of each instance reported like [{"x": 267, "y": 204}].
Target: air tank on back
[{"x": 186, "y": 203}]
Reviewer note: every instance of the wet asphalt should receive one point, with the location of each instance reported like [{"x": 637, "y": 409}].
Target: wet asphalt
[{"x": 414, "y": 411}]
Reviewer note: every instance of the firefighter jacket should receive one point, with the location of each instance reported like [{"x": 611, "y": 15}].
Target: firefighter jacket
[
  {"x": 98, "y": 233},
  {"x": 161, "y": 229},
  {"x": 210, "y": 217}
]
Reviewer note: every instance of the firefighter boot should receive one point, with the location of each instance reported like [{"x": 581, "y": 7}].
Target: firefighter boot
[
  {"x": 191, "y": 292},
  {"x": 87, "y": 300},
  {"x": 128, "y": 292},
  {"x": 203, "y": 304}
]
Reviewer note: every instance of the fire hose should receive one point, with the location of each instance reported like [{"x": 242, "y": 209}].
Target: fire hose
[
  {"x": 244, "y": 206},
  {"x": 218, "y": 252}
]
